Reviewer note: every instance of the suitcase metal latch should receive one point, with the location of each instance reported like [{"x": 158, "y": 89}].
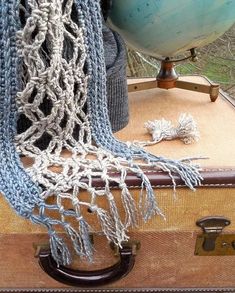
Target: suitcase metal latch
[{"x": 213, "y": 242}]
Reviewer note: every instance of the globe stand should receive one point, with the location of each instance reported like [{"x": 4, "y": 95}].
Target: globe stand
[{"x": 167, "y": 78}]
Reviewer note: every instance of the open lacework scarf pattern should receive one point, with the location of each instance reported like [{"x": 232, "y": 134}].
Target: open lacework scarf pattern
[{"x": 51, "y": 52}]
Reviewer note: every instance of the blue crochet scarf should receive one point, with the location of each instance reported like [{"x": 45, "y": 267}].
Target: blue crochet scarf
[{"x": 53, "y": 50}]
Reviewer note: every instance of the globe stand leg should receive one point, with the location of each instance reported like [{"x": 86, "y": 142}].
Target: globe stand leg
[
  {"x": 212, "y": 89},
  {"x": 168, "y": 79}
]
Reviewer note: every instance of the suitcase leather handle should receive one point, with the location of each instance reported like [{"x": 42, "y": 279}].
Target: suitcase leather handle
[{"x": 95, "y": 278}]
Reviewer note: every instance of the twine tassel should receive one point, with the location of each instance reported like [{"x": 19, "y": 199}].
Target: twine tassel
[
  {"x": 76, "y": 240},
  {"x": 59, "y": 249},
  {"x": 85, "y": 236},
  {"x": 148, "y": 203},
  {"x": 186, "y": 130},
  {"x": 106, "y": 222},
  {"x": 129, "y": 206},
  {"x": 120, "y": 230}
]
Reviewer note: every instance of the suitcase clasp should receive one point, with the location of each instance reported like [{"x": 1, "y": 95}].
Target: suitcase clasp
[{"x": 213, "y": 242}]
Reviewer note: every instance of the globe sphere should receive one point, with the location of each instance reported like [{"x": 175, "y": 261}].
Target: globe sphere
[{"x": 170, "y": 27}]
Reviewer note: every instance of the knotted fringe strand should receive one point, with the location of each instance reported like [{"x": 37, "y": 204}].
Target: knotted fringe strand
[
  {"x": 76, "y": 240},
  {"x": 120, "y": 230},
  {"x": 148, "y": 203},
  {"x": 107, "y": 224},
  {"x": 59, "y": 249},
  {"x": 85, "y": 236},
  {"x": 129, "y": 206},
  {"x": 80, "y": 239},
  {"x": 128, "y": 202}
]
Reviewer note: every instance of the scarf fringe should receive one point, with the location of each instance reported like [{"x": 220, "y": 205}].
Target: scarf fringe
[{"x": 59, "y": 249}]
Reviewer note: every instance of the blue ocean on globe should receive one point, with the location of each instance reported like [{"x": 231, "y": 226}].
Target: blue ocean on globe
[{"x": 170, "y": 27}]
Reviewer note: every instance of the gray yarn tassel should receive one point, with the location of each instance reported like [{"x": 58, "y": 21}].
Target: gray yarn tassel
[
  {"x": 76, "y": 240},
  {"x": 59, "y": 249},
  {"x": 129, "y": 206},
  {"x": 148, "y": 204},
  {"x": 85, "y": 235},
  {"x": 119, "y": 227},
  {"x": 107, "y": 224}
]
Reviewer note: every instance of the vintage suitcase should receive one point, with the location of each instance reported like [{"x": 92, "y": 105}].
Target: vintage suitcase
[{"x": 193, "y": 250}]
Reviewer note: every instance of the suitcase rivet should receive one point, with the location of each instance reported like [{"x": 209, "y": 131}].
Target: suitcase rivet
[{"x": 225, "y": 244}]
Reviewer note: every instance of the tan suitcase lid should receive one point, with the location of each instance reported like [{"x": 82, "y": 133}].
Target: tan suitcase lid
[{"x": 216, "y": 124}]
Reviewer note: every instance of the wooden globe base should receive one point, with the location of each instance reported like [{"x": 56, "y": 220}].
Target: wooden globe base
[{"x": 167, "y": 78}]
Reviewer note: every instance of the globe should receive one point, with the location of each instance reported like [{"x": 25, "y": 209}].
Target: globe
[{"x": 170, "y": 27}]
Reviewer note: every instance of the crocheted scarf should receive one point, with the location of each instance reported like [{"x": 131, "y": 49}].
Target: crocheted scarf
[{"x": 51, "y": 51}]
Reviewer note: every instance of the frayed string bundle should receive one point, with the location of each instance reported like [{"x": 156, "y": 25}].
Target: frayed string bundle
[{"x": 186, "y": 130}]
